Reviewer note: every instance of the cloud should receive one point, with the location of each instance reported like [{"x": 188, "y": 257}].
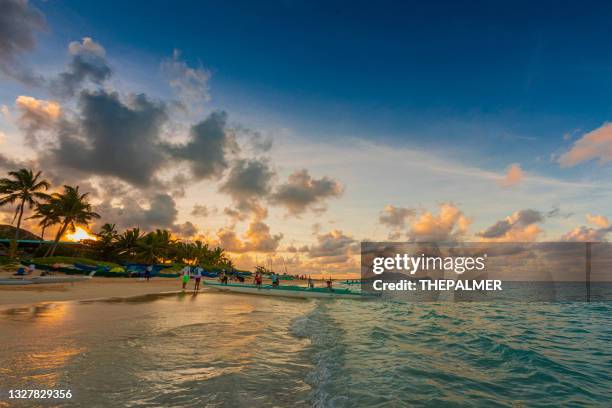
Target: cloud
[
  {"x": 334, "y": 245},
  {"x": 395, "y": 218},
  {"x": 190, "y": 84},
  {"x": 112, "y": 138},
  {"x": 599, "y": 220},
  {"x": 253, "y": 140},
  {"x": 161, "y": 212},
  {"x": 37, "y": 115},
  {"x": 586, "y": 234},
  {"x": 207, "y": 147},
  {"x": 248, "y": 180},
  {"x": 596, "y": 144},
  {"x": 88, "y": 63},
  {"x": 521, "y": 226},
  {"x": 302, "y": 192},
  {"x": 201, "y": 210},
  {"x": 19, "y": 23},
  {"x": 449, "y": 225},
  {"x": 7, "y": 163},
  {"x": 257, "y": 238},
  {"x": 34, "y": 110},
  {"x": 293, "y": 249},
  {"x": 186, "y": 230},
  {"x": 514, "y": 175},
  {"x": 589, "y": 234}
]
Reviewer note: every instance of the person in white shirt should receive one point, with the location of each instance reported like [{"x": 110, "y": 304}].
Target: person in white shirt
[
  {"x": 198, "y": 276},
  {"x": 185, "y": 272}
]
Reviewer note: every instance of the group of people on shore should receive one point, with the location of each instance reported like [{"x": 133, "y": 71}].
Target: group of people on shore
[{"x": 187, "y": 273}]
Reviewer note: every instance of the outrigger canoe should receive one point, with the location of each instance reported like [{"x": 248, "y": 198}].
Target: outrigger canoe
[{"x": 289, "y": 291}]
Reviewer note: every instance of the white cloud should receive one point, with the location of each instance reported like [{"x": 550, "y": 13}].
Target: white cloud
[{"x": 87, "y": 46}]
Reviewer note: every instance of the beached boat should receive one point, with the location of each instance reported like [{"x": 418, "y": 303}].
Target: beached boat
[
  {"x": 14, "y": 282},
  {"x": 289, "y": 291},
  {"x": 45, "y": 279},
  {"x": 351, "y": 282}
]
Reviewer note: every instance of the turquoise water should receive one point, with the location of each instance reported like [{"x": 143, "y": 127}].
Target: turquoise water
[{"x": 232, "y": 350}]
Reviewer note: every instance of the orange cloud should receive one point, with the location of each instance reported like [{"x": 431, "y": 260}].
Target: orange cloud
[
  {"x": 514, "y": 175},
  {"x": 521, "y": 226},
  {"x": 598, "y": 220},
  {"x": 596, "y": 144},
  {"x": 39, "y": 108},
  {"x": 449, "y": 224},
  {"x": 586, "y": 234}
]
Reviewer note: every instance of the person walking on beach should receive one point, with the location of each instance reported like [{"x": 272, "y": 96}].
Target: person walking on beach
[
  {"x": 185, "y": 272},
  {"x": 148, "y": 271},
  {"x": 223, "y": 277},
  {"x": 310, "y": 282},
  {"x": 198, "y": 277},
  {"x": 275, "y": 279}
]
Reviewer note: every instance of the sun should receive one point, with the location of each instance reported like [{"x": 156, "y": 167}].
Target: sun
[{"x": 80, "y": 234}]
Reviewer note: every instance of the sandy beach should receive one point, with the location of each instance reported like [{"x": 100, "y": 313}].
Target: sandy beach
[{"x": 92, "y": 289}]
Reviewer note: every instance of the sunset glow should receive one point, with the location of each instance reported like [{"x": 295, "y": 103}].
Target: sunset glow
[{"x": 80, "y": 234}]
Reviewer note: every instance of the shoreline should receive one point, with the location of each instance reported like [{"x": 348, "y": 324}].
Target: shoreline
[{"x": 94, "y": 289}]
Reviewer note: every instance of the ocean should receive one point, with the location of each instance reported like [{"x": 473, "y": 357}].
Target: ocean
[{"x": 225, "y": 350}]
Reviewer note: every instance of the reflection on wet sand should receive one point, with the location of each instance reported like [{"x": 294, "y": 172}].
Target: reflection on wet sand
[{"x": 166, "y": 349}]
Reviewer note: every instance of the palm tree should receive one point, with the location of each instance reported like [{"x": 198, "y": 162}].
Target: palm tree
[
  {"x": 155, "y": 246},
  {"x": 105, "y": 245},
  {"x": 127, "y": 243},
  {"x": 25, "y": 188},
  {"x": 218, "y": 256},
  {"x": 70, "y": 208},
  {"x": 44, "y": 212}
]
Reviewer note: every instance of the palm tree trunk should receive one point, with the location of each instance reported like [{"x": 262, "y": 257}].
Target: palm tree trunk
[
  {"x": 14, "y": 247},
  {"x": 55, "y": 244},
  {"x": 19, "y": 219},
  {"x": 58, "y": 235}
]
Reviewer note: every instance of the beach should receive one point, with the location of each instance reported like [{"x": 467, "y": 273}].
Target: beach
[
  {"x": 94, "y": 288},
  {"x": 91, "y": 289}
]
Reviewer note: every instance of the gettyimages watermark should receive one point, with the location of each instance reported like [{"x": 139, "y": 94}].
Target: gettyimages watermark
[{"x": 477, "y": 271}]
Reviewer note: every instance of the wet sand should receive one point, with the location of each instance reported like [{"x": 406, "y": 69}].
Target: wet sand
[{"x": 91, "y": 289}]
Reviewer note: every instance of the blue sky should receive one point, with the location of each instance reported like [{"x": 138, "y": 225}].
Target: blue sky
[
  {"x": 451, "y": 96},
  {"x": 404, "y": 65},
  {"x": 502, "y": 80}
]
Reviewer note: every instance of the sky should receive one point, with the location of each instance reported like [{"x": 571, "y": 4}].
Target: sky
[{"x": 290, "y": 131}]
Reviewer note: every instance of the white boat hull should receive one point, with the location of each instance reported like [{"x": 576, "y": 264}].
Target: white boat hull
[{"x": 304, "y": 293}]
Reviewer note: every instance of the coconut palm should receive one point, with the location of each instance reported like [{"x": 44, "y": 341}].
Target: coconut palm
[
  {"x": 155, "y": 246},
  {"x": 105, "y": 244},
  {"x": 70, "y": 209},
  {"x": 44, "y": 213},
  {"x": 218, "y": 256},
  {"x": 25, "y": 188},
  {"x": 127, "y": 243}
]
